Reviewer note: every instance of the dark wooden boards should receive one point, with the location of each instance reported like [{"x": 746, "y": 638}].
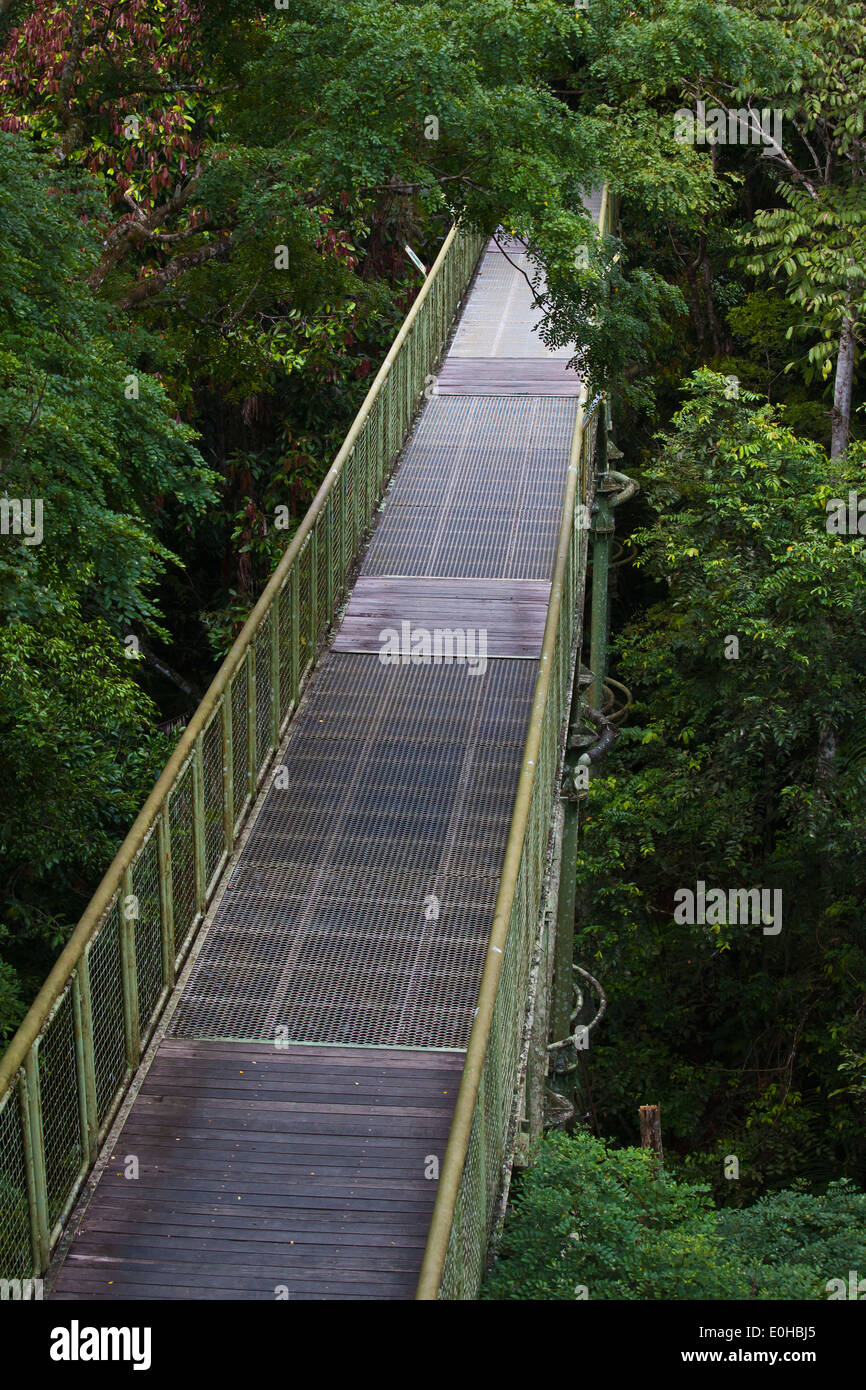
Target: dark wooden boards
[
  {"x": 511, "y": 614},
  {"x": 507, "y": 376},
  {"x": 267, "y": 1172}
]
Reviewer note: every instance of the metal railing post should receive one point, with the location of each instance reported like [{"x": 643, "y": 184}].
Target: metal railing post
[
  {"x": 85, "y": 1069},
  {"x": 34, "y": 1158}
]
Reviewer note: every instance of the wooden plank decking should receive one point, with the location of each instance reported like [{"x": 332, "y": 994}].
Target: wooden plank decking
[
  {"x": 266, "y": 1173},
  {"x": 510, "y": 612}
]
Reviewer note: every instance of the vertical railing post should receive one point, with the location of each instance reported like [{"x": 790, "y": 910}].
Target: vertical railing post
[
  {"x": 198, "y": 835},
  {"x": 128, "y": 914},
  {"x": 168, "y": 952},
  {"x": 227, "y": 732},
  {"x": 85, "y": 1069},
  {"x": 34, "y": 1159},
  {"x": 252, "y": 720}
]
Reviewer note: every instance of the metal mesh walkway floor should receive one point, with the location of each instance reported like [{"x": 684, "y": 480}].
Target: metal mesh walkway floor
[
  {"x": 288, "y": 1129},
  {"x": 361, "y": 906}
]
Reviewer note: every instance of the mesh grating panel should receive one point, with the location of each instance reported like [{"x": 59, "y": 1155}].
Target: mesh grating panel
[
  {"x": 479, "y": 492},
  {"x": 212, "y": 768},
  {"x": 263, "y": 693},
  {"x": 16, "y": 1260},
  {"x": 60, "y": 1118},
  {"x": 500, "y": 317},
  {"x": 239, "y": 738},
  {"x": 304, "y": 602},
  {"x": 148, "y": 948},
  {"x": 284, "y": 599},
  {"x": 106, "y": 1002},
  {"x": 360, "y": 910},
  {"x": 502, "y": 451},
  {"x": 182, "y": 857},
  {"x": 505, "y": 544}
]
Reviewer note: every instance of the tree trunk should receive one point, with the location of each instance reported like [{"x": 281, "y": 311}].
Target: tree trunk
[
  {"x": 695, "y": 304},
  {"x": 651, "y": 1131},
  {"x": 718, "y": 345},
  {"x": 841, "y": 414}
]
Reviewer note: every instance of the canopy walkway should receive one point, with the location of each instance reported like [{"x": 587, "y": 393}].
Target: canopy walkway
[{"x": 284, "y": 1053}]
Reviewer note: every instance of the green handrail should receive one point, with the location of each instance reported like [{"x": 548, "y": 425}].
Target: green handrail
[
  {"x": 70, "y": 1063},
  {"x": 471, "y": 1172}
]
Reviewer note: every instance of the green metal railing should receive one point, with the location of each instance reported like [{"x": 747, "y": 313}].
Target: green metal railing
[
  {"x": 477, "y": 1155},
  {"x": 69, "y": 1065}
]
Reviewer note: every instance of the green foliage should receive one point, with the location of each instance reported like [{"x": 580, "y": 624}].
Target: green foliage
[
  {"x": 78, "y": 752},
  {"x": 81, "y": 427},
  {"x": 815, "y": 246},
  {"x": 740, "y": 773},
  {"x": 591, "y": 1221}
]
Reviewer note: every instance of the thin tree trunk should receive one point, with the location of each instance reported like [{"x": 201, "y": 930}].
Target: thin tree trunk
[
  {"x": 695, "y": 304},
  {"x": 718, "y": 346},
  {"x": 651, "y": 1131},
  {"x": 842, "y": 391}
]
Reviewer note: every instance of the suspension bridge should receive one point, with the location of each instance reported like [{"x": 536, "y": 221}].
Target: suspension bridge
[{"x": 292, "y": 1046}]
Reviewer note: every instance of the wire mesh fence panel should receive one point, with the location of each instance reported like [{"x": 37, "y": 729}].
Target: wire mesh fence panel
[
  {"x": 16, "y": 1255},
  {"x": 491, "y": 1100},
  {"x": 304, "y": 607},
  {"x": 286, "y": 624},
  {"x": 61, "y": 1126},
  {"x": 106, "y": 996},
  {"x": 473, "y": 1212},
  {"x": 263, "y": 696},
  {"x": 212, "y": 770},
  {"x": 322, "y": 560},
  {"x": 180, "y": 819},
  {"x": 238, "y": 693},
  {"x": 386, "y": 415},
  {"x": 335, "y": 545},
  {"x": 148, "y": 934},
  {"x": 347, "y": 487}
]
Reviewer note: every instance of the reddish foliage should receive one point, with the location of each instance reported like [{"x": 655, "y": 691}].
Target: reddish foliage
[{"x": 77, "y": 74}]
